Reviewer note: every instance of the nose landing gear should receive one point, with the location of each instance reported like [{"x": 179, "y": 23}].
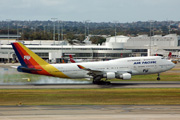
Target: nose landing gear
[{"x": 158, "y": 78}]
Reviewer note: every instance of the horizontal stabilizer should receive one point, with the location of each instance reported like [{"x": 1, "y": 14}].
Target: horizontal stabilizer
[
  {"x": 14, "y": 67},
  {"x": 25, "y": 69}
]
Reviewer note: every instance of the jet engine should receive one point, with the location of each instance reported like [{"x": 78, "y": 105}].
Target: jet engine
[
  {"x": 109, "y": 75},
  {"x": 125, "y": 76}
]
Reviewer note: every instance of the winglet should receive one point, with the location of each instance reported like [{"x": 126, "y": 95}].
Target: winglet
[{"x": 81, "y": 67}]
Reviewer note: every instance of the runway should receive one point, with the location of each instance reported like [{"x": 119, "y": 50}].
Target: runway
[
  {"x": 150, "y": 84},
  {"x": 90, "y": 112}
]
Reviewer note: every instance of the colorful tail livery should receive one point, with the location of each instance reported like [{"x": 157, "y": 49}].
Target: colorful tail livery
[
  {"x": 32, "y": 63},
  {"x": 71, "y": 59}
]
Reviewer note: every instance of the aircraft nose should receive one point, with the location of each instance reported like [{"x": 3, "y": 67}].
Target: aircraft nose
[{"x": 173, "y": 64}]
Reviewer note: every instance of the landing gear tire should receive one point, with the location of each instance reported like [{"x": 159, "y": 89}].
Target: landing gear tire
[
  {"x": 158, "y": 78},
  {"x": 108, "y": 83},
  {"x": 101, "y": 82},
  {"x": 97, "y": 80},
  {"x": 104, "y": 82}
]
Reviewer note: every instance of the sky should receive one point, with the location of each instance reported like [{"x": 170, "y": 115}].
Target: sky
[{"x": 93, "y": 10}]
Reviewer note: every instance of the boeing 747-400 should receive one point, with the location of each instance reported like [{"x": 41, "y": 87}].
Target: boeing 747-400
[{"x": 122, "y": 68}]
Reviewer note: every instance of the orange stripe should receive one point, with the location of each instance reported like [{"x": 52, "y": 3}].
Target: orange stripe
[
  {"x": 39, "y": 63},
  {"x": 34, "y": 63}
]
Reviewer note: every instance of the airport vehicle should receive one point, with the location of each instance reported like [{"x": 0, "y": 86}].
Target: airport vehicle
[{"x": 122, "y": 68}]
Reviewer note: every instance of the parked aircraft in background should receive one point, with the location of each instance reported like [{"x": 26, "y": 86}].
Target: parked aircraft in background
[
  {"x": 170, "y": 55},
  {"x": 122, "y": 68},
  {"x": 74, "y": 60},
  {"x": 71, "y": 59}
]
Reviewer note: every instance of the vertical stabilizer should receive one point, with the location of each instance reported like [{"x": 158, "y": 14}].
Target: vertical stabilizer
[
  {"x": 26, "y": 57},
  {"x": 32, "y": 63}
]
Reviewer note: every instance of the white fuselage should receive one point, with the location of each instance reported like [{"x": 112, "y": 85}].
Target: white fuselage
[{"x": 133, "y": 65}]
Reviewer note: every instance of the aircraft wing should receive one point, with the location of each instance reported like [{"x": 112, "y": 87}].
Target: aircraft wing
[{"x": 91, "y": 72}]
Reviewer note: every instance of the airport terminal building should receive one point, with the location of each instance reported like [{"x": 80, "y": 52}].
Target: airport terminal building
[{"x": 114, "y": 47}]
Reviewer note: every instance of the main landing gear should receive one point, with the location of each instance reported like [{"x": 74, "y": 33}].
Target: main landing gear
[
  {"x": 158, "y": 78},
  {"x": 97, "y": 80}
]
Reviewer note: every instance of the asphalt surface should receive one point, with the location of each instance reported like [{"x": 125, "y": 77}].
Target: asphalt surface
[
  {"x": 156, "y": 84},
  {"x": 90, "y": 112}
]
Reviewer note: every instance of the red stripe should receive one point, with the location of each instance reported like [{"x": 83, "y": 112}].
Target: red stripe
[{"x": 31, "y": 63}]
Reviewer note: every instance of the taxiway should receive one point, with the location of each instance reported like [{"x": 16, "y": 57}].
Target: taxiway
[{"x": 90, "y": 112}]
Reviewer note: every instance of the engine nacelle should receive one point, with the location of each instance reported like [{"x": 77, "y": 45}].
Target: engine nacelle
[
  {"x": 125, "y": 76},
  {"x": 109, "y": 75}
]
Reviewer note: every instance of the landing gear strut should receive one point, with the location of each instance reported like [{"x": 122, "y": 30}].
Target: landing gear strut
[
  {"x": 97, "y": 80},
  {"x": 158, "y": 78}
]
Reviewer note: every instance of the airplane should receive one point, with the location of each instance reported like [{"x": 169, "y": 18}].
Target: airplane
[
  {"x": 74, "y": 60},
  {"x": 71, "y": 59},
  {"x": 122, "y": 68},
  {"x": 170, "y": 55}
]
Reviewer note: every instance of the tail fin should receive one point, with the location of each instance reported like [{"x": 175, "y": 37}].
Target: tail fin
[
  {"x": 32, "y": 63},
  {"x": 26, "y": 57},
  {"x": 71, "y": 59},
  {"x": 170, "y": 55}
]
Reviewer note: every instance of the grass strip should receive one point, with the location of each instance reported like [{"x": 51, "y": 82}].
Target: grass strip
[{"x": 122, "y": 96}]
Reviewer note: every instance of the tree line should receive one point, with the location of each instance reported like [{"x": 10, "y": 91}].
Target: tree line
[{"x": 44, "y": 30}]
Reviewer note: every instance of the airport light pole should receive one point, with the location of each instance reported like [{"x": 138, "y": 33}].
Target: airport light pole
[
  {"x": 150, "y": 33},
  {"x": 84, "y": 29},
  {"x": 115, "y": 30},
  {"x": 8, "y": 30},
  {"x": 86, "y": 21},
  {"x": 54, "y": 19},
  {"x": 150, "y": 36},
  {"x": 8, "y": 20},
  {"x": 22, "y": 32},
  {"x": 62, "y": 27},
  {"x": 58, "y": 31},
  {"x": 17, "y": 30},
  {"x": 44, "y": 29},
  {"x": 62, "y": 40},
  {"x": 169, "y": 27},
  {"x": 88, "y": 27}
]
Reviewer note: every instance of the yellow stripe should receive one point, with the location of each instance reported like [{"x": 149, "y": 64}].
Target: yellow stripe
[
  {"x": 54, "y": 71},
  {"x": 38, "y": 59}
]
